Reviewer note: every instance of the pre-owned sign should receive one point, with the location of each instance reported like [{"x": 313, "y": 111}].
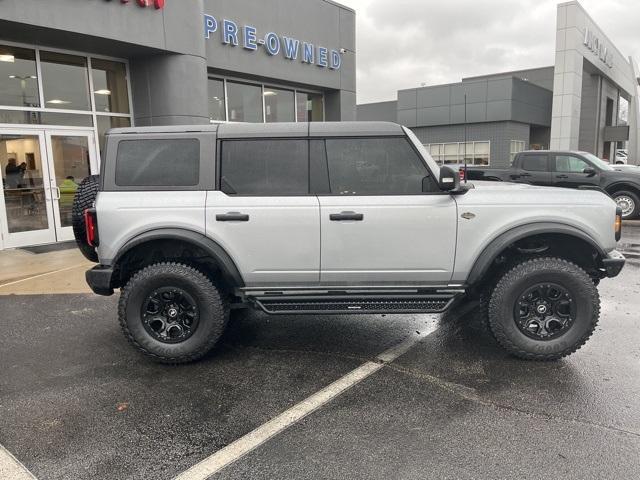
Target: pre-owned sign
[
  {"x": 291, "y": 48},
  {"x": 146, "y": 3}
]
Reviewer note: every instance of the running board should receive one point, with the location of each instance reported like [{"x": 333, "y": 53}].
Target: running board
[{"x": 341, "y": 304}]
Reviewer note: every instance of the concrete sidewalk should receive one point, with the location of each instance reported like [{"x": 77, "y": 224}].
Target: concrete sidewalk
[{"x": 23, "y": 272}]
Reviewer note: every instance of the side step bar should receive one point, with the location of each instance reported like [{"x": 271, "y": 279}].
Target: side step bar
[{"x": 341, "y": 304}]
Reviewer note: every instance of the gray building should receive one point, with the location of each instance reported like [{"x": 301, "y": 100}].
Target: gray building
[
  {"x": 70, "y": 70},
  {"x": 587, "y": 101}
]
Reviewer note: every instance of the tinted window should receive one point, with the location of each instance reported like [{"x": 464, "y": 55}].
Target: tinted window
[
  {"x": 169, "y": 162},
  {"x": 534, "y": 163},
  {"x": 374, "y": 166},
  {"x": 570, "y": 164},
  {"x": 265, "y": 167}
]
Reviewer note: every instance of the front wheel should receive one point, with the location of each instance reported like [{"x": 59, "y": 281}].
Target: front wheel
[
  {"x": 172, "y": 313},
  {"x": 544, "y": 309},
  {"x": 629, "y": 203}
]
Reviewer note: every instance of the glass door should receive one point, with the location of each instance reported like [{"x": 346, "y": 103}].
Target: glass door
[
  {"x": 26, "y": 199},
  {"x": 72, "y": 158}
]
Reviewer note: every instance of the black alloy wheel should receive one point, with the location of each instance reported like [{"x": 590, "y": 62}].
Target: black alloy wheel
[
  {"x": 545, "y": 311},
  {"x": 170, "y": 315}
]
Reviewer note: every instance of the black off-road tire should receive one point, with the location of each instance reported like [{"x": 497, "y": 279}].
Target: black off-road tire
[
  {"x": 212, "y": 305},
  {"x": 84, "y": 198},
  {"x": 633, "y": 198},
  {"x": 531, "y": 272}
]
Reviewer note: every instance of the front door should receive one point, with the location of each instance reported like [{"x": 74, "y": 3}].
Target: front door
[
  {"x": 41, "y": 171},
  {"x": 378, "y": 227},
  {"x": 568, "y": 171}
]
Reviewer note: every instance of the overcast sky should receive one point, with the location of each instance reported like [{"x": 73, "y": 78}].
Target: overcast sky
[{"x": 405, "y": 43}]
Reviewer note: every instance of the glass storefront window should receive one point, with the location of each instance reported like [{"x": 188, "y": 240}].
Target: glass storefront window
[
  {"x": 278, "y": 105},
  {"x": 310, "y": 107},
  {"x": 110, "y": 86},
  {"x": 45, "y": 118},
  {"x": 476, "y": 153},
  {"x": 245, "y": 102},
  {"x": 217, "y": 110},
  {"x": 18, "y": 77},
  {"x": 516, "y": 146},
  {"x": 105, "y": 123},
  {"x": 65, "y": 81}
]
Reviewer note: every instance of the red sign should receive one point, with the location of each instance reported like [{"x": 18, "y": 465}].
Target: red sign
[{"x": 147, "y": 3}]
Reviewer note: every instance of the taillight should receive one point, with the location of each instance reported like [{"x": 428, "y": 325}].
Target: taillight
[
  {"x": 91, "y": 227},
  {"x": 618, "y": 224},
  {"x": 461, "y": 172}
]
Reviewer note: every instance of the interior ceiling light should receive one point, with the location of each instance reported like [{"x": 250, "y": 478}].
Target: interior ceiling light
[
  {"x": 7, "y": 58},
  {"x": 57, "y": 101},
  {"x": 103, "y": 92},
  {"x": 268, "y": 93}
]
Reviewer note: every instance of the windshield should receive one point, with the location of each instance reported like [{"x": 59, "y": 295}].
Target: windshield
[
  {"x": 597, "y": 161},
  {"x": 433, "y": 166}
]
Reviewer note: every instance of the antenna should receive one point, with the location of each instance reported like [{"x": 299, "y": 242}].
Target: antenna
[{"x": 465, "y": 138}]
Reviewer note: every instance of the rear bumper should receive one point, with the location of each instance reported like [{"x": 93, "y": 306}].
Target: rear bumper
[
  {"x": 613, "y": 263},
  {"x": 99, "y": 279}
]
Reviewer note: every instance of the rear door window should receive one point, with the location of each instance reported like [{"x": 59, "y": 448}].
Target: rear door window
[
  {"x": 535, "y": 162},
  {"x": 158, "y": 163},
  {"x": 264, "y": 167}
]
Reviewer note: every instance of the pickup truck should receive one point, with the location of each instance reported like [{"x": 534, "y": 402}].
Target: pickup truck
[{"x": 570, "y": 170}]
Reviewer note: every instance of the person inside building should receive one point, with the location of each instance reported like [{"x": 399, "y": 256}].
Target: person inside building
[{"x": 13, "y": 173}]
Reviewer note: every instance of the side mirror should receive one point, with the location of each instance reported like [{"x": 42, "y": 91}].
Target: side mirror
[
  {"x": 590, "y": 171},
  {"x": 449, "y": 179}
]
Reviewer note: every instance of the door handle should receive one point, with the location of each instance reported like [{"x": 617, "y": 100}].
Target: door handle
[
  {"x": 562, "y": 176},
  {"x": 345, "y": 216},
  {"x": 58, "y": 194},
  {"x": 525, "y": 175},
  {"x": 232, "y": 217}
]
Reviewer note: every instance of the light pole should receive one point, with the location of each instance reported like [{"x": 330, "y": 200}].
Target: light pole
[{"x": 23, "y": 86}]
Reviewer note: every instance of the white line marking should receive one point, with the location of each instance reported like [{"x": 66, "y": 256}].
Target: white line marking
[
  {"x": 11, "y": 468},
  {"x": 232, "y": 452},
  {"x": 40, "y": 275}
]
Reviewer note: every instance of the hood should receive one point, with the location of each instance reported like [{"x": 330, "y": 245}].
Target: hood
[{"x": 506, "y": 193}]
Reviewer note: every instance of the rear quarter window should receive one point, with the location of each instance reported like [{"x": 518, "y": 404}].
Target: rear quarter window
[{"x": 158, "y": 163}]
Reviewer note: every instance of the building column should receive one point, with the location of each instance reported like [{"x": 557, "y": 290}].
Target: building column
[
  {"x": 169, "y": 89},
  {"x": 634, "y": 116}
]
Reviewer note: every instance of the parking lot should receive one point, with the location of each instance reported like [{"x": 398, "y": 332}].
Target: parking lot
[{"x": 444, "y": 401}]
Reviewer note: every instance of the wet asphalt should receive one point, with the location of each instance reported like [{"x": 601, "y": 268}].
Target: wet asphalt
[{"x": 76, "y": 402}]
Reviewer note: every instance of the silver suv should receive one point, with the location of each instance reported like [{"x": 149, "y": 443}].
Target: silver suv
[{"x": 332, "y": 218}]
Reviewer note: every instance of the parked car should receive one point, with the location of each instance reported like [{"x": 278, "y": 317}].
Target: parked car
[
  {"x": 570, "y": 170},
  {"x": 332, "y": 218},
  {"x": 621, "y": 157}
]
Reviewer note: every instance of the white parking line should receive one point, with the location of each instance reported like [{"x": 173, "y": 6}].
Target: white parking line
[
  {"x": 232, "y": 452},
  {"x": 11, "y": 468},
  {"x": 41, "y": 275}
]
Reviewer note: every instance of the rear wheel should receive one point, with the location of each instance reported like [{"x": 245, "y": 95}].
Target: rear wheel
[
  {"x": 84, "y": 199},
  {"x": 544, "y": 309},
  {"x": 628, "y": 202},
  {"x": 172, "y": 313}
]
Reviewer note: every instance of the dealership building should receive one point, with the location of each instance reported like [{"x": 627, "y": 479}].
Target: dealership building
[
  {"x": 587, "y": 101},
  {"x": 72, "y": 69}
]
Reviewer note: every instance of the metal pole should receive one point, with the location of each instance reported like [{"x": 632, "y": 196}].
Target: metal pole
[{"x": 465, "y": 138}]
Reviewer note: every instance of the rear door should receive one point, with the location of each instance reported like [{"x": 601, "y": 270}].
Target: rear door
[
  {"x": 263, "y": 214},
  {"x": 568, "y": 171},
  {"x": 377, "y": 225},
  {"x": 533, "y": 168}
]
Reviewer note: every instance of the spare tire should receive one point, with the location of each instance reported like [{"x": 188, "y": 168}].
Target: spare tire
[{"x": 84, "y": 199}]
